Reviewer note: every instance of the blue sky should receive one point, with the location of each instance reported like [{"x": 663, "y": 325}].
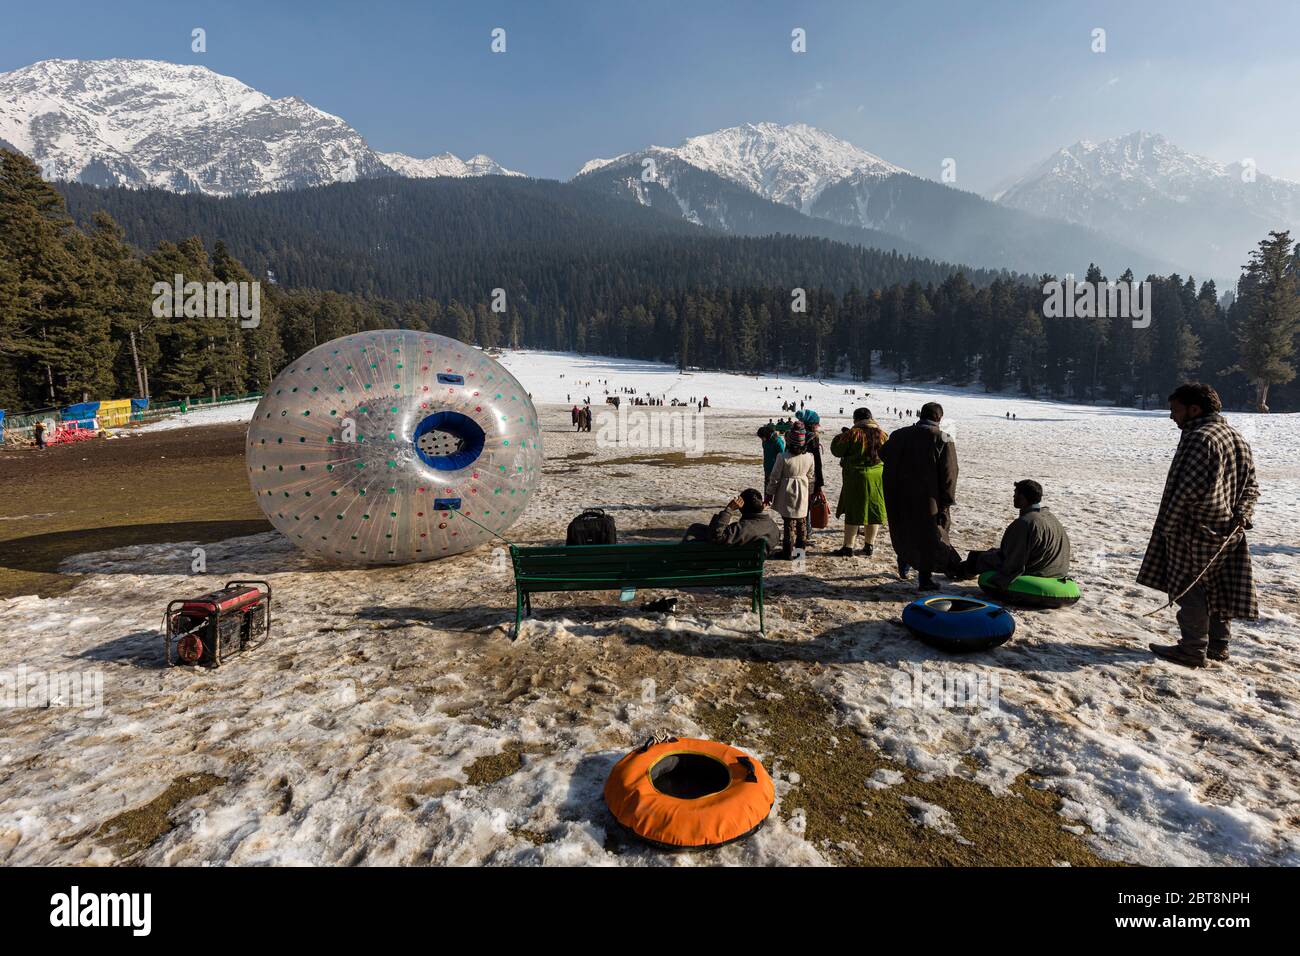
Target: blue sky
[{"x": 998, "y": 86}]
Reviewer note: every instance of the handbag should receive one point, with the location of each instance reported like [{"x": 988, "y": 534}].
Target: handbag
[{"x": 819, "y": 511}]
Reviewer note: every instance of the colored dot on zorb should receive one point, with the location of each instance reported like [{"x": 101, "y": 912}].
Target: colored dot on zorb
[{"x": 393, "y": 446}]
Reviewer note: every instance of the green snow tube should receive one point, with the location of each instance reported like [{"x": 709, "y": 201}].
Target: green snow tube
[{"x": 1030, "y": 591}]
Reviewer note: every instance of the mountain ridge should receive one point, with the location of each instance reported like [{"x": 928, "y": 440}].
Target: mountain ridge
[
  {"x": 1201, "y": 212},
  {"x": 1138, "y": 200},
  {"x": 876, "y": 203},
  {"x": 186, "y": 128}
]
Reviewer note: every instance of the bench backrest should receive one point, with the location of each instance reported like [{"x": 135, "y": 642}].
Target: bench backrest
[{"x": 623, "y": 565}]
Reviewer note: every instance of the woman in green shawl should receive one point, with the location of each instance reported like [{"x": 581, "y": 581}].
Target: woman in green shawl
[{"x": 862, "y": 494}]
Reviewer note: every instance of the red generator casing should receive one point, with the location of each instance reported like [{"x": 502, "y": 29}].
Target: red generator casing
[{"x": 213, "y": 627}]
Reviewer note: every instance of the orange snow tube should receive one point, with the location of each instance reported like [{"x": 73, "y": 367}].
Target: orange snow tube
[{"x": 689, "y": 794}]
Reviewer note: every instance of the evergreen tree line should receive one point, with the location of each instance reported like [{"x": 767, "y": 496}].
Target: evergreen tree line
[
  {"x": 76, "y": 319},
  {"x": 553, "y": 244}
]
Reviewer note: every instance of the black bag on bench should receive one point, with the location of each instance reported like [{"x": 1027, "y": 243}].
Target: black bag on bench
[{"x": 592, "y": 527}]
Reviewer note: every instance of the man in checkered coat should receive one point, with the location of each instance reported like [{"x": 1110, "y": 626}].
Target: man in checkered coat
[{"x": 1206, "y": 509}]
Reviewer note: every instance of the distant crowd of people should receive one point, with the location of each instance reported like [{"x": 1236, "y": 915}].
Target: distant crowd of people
[
  {"x": 581, "y": 418},
  {"x": 616, "y": 398}
]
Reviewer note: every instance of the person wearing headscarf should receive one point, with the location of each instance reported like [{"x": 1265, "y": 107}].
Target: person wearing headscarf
[
  {"x": 773, "y": 445},
  {"x": 812, "y": 423},
  {"x": 789, "y": 489},
  {"x": 862, "y": 489}
]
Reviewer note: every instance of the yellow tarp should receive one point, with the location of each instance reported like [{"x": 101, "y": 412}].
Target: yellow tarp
[{"x": 114, "y": 414}]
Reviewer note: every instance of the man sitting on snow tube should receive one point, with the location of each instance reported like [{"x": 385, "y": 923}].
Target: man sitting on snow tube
[{"x": 1034, "y": 545}]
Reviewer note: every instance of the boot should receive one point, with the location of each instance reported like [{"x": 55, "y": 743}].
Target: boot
[
  {"x": 903, "y": 569},
  {"x": 962, "y": 570},
  {"x": 926, "y": 583},
  {"x": 868, "y": 550},
  {"x": 787, "y": 540},
  {"x": 1179, "y": 654},
  {"x": 1218, "y": 651},
  {"x": 842, "y": 553}
]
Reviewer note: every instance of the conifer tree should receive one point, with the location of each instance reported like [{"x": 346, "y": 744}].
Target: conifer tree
[{"x": 1269, "y": 291}]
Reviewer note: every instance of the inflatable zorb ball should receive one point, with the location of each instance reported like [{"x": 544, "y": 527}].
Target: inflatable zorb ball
[{"x": 394, "y": 446}]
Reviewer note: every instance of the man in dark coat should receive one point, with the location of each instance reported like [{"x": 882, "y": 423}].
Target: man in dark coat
[
  {"x": 1035, "y": 543},
  {"x": 920, "y": 479},
  {"x": 744, "y": 520},
  {"x": 1205, "y": 512}
]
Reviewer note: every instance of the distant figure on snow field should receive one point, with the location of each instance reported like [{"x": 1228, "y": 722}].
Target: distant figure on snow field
[
  {"x": 1035, "y": 543},
  {"x": 920, "y": 481},
  {"x": 1200, "y": 530},
  {"x": 789, "y": 490},
  {"x": 744, "y": 520},
  {"x": 862, "y": 490}
]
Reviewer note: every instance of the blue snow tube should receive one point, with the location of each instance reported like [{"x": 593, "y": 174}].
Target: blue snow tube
[{"x": 959, "y": 624}]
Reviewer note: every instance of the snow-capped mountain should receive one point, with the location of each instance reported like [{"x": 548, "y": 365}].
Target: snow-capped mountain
[
  {"x": 681, "y": 189},
  {"x": 760, "y": 179},
  {"x": 1204, "y": 214},
  {"x": 958, "y": 226},
  {"x": 182, "y": 128},
  {"x": 444, "y": 164},
  {"x": 787, "y": 164}
]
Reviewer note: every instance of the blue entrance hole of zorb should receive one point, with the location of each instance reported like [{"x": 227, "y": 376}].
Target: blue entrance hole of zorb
[{"x": 448, "y": 441}]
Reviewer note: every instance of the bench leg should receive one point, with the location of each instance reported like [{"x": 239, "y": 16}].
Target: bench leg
[
  {"x": 762, "y": 625},
  {"x": 519, "y": 612}
]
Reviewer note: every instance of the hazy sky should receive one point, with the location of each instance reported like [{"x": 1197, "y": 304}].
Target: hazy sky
[{"x": 998, "y": 86}]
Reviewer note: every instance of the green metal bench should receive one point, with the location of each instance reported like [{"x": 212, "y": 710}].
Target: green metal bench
[{"x": 613, "y": 567}]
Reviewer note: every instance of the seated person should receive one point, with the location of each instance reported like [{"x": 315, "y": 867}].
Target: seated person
[
  {"x": 743, "y": 521},
  {"x": 1034, "y": 544}
]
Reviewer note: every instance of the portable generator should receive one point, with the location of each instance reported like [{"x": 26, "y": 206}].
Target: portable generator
[{"x": 208, "y": 629}]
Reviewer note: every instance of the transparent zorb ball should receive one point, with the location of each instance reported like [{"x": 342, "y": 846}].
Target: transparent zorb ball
[{"x": 394, "y": 446}]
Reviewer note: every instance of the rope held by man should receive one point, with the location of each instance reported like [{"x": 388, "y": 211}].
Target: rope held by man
[{"x": 1237, "y": 529}]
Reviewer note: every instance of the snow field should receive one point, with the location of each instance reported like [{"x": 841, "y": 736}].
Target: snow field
[{"x": 351, "y": 737}]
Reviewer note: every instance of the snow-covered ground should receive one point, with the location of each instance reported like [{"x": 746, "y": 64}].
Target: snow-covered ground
[
  {"x": 349, "y": 738},
  {"x": 211, "y": 415}
]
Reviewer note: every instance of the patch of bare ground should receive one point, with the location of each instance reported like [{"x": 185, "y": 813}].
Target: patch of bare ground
[
  {"x": 135, "y": 830},
  {"x": 493, "y": 768},
  {"x": 856, "y": 825}
]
